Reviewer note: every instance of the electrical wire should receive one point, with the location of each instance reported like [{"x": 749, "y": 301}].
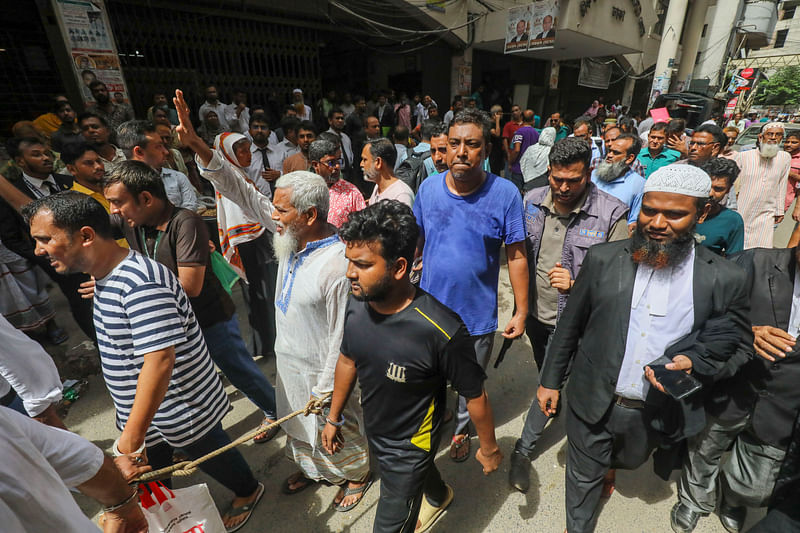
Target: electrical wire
[{"x": 406, "y": 30}]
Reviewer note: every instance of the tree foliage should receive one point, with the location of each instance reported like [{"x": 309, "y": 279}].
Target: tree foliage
[{"x": 782, "y": 88}]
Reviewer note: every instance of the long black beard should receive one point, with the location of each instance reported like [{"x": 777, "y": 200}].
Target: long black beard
[{"x": 661, "y": 255}]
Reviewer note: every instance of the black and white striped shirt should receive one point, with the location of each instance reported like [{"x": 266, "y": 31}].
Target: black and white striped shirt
[{"x": 139, "y": 308}]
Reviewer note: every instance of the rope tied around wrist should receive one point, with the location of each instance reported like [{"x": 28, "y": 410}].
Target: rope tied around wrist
[{"x": 187, "y": 468}]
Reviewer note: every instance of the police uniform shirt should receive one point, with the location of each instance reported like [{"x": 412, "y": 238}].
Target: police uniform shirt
[{"x": 403, "y": 363}]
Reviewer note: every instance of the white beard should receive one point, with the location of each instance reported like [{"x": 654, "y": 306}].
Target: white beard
[
  {"x": 284, "y": 244},
  {"x": 768, "y": 151}
]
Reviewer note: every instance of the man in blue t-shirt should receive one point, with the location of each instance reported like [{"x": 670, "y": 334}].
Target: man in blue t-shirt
[
  {"x": 722, "y": 229},
  {"x": 465, "y": 215},
  {"x": 523, "y": 138}
]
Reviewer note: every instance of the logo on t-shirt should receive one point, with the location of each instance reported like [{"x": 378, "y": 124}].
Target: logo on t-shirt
[
  {"x": 396, "y": 373},
  {"x": 595, "y": 234}
]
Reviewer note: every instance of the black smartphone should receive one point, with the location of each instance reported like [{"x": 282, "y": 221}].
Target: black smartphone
[{"x": 676, "y": 383}]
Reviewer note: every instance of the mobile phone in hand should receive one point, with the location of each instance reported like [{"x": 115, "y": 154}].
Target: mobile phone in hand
[{"x": 676, "y": 383}]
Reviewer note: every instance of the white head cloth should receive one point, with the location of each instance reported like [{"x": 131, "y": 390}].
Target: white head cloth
[
  {"x": 774, "y": 125},
  {"x": 679, "y": 179}
]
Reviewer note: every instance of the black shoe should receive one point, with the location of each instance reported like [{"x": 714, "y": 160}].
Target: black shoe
[
  {"x": 520, "y": 473},
  {"x": 682, "y": 519},
  {"x": 732, "y": 518}
]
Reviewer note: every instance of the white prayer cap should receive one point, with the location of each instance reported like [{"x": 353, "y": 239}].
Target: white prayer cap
[
  {"x": 774, "y": 125},
  {"x": 679, "y": 179},
  {"x": 297, "y": 91}
]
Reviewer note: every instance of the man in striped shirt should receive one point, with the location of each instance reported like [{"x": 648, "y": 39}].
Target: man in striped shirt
[{"x": 155, "y": 362}]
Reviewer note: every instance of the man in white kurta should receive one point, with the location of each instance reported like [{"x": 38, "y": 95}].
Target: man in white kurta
[
  {"x": 310, "y": 302},
  {"x": 761, "y": 187}
]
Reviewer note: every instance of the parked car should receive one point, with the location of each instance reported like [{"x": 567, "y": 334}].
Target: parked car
[{"x": 747, "y": 139}]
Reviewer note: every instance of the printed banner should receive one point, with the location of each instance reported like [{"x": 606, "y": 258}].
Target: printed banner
[
  {"x": 531, "y": 27},
  {"x": 86, "y": 30}
]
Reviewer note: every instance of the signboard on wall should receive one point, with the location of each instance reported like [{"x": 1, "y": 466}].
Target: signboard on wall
[
  {"x": 87, "y": 33},
  {"x": 743, "y": 80},
  {"x": 532, "y": 26}
]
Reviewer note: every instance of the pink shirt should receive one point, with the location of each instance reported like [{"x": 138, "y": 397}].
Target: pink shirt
[{"x": 345, "y": 198}]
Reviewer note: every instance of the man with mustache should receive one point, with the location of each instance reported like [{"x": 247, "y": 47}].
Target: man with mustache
[
  {"x": 761, "y": 189},
  {"x": 562, "y": 221},
  {"x": 615, "y": 176},
  {"x": 310, "y": 306},
  {"x": 655, "y": 298},
  {"x": 344, "y": 197}
]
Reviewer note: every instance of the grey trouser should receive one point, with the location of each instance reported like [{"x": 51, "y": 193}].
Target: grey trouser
[
  {"x": 483, "y": 352},
  {"x": 621, "y": 439},
  {"x": 747, "y": 477},
  {"x": 539, "y": 335}
]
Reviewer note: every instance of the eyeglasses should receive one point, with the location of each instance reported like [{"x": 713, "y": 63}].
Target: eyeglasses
[{"x": 333, "y": 163}]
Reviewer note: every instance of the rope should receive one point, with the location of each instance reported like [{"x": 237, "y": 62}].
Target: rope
[{"x": 187, "y": 468}]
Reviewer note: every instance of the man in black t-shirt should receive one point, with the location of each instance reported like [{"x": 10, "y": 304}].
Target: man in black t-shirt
[
  {"x": 178, "y": 239},
  {"x": 403, "y": 346}
]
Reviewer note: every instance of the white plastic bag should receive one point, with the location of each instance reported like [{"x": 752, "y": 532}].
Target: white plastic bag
[{"x": 189, "y": 510}]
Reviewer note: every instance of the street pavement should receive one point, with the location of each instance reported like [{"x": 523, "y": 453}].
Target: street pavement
[{"x": 641, "y": 502}]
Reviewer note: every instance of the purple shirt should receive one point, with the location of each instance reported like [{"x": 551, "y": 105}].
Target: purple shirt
[{"x": 526, "y": 136}]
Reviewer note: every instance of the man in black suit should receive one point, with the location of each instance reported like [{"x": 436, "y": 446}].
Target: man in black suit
[
  {"x": 37, "y": 181},
  {"x": 756, "y": 409},
  {"x": 654, "y": 296},
  {"x": 547, "y": 28}
]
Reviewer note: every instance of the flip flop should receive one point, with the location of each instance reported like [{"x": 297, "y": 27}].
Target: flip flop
[
  {"x": 428, "y": 514},
  {"x": 338, "y": 507},
  {"x": 267, "y": 435},
  {"x": 455, "y": 446},
  {"x": 301, "y": 478},
  {"x": 248, "y": 508}
]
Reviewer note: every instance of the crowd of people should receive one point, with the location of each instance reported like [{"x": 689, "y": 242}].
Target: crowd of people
[{"x": 640, "y": 256}]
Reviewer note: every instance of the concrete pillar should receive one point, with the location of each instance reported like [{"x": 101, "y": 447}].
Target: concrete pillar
[
  {"x": 669, "y": 47},
  {"x": 691, "y": 42},
  {"x": 456, "y": 63},
  {"x": 627, "y": 92}
]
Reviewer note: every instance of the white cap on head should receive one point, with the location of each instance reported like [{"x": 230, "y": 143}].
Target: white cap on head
[
  {"x": 679, "y": 179},
  {"x": 297, "y": 91},
  {"x": 773, "y": 125}
]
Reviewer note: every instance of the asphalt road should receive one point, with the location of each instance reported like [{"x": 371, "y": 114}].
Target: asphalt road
[{"x": 641, "y": 502}]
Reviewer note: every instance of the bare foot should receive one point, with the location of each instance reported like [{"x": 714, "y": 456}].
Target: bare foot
[{"x": 609, "y": 483}]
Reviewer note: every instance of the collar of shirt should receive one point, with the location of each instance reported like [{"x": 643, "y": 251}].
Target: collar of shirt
[
  {"x": 39, "y": 183},
  {"x": 255, "y": 148},
  {"x": 422, "y": 147},
  {"x": 547, "y": 203},
  {"x": 658, "y": 301}
]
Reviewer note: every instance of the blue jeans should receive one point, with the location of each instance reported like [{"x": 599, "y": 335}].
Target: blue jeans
[
  {"x": 229, "y": 353},
  {"x": 229, "y": 468}
]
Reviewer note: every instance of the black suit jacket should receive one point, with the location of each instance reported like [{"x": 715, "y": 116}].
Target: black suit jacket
[
  {"x": 14, "y": 233},
  {"x": 592, "y": 331},
  {"x": 769, "y": 391}
]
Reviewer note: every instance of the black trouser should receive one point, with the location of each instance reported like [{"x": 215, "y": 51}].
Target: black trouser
[
  {"x": 623, "y": 438},
  {"x": 406, "y": 475},
  {"x": 69, "y": 284},
  {"x": 261, "y": 268},
  {"x": 229, "y": 468}
]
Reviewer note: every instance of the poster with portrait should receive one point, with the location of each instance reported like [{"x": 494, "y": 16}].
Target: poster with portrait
[
  {"x": 518, "y": 28},
  {"x": 543, "y": 24},
  {"x": 87, "y": 34}
]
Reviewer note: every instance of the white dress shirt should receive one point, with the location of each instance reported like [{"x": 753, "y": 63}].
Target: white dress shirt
[
  {"x": 38, "y": 186},
  {"x": 39, "y": 464},
  {"x": 284, "y": 149},
  {"x": 179, "y": 189},
  {"x": 257, "y": 166},
  {"x": 794, "y": 317},
  {"x": 662, "y": 311},
  {"x": 25, "y": 366},
  {"x": 347, "y": 146},
  {"x": 240, "y": 124}
]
